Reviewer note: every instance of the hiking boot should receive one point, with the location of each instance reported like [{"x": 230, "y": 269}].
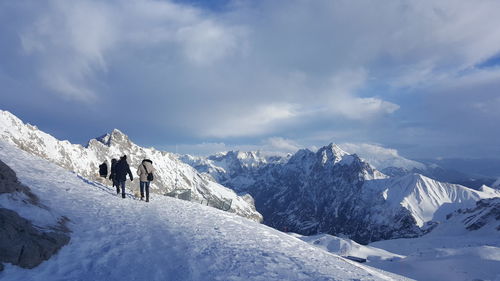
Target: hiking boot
[
  {"x": 123, "y": 195},
  {"x": 142, "y": 198},
  {"x": 147, "y": 199}
]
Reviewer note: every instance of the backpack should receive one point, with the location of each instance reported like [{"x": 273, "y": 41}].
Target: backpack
[
  {"x": 103, "y": 170},
  {"x": 150, "y": 175}
]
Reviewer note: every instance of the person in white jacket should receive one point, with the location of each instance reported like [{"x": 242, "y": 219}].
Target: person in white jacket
[{"x": 145, "y": 173}]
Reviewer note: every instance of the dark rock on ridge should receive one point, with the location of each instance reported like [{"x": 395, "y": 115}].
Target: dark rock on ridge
[{"x": 21, "y": 242}]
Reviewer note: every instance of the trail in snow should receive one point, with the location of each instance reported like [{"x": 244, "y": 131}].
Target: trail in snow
[{"x": 167, "y": 239}]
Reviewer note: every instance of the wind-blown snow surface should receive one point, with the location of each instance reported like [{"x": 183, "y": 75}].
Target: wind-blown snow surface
[
  {"x": 170, "y": 172},
  {"x": 167, "y": 239}
]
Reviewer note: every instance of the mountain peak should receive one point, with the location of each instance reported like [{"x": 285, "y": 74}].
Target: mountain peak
[
  {"x": 331, "y": 153},
  {"x": 116, "y": 136}
]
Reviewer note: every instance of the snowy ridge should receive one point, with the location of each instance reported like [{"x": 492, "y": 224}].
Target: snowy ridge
[
  {"x": 175, "y": 239},
  {"x": 427, "y": 199},
  {"x": 85, "y": 161}
]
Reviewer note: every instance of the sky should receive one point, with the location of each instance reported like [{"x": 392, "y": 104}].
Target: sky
[{"x": 419, "y": 77}]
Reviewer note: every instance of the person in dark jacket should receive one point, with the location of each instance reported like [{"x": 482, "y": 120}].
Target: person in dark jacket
[
  {"x": 144, "y": 169},
  {"x": 103, "y": 169},
  {"x": 122, "y": 169},
  {"x": 112, "y": 175}
]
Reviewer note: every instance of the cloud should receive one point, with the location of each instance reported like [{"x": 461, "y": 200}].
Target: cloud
[
  {"x": 269, "y": 146},
  {"x": 205, "y": 42},
  {"x": 342, "y": 100},
  {"x": 380, "y": 157},
  {"x": 389, "y": 72},
  {"x": 70, "y": 42},
  {"x": 250, "y": 121},
  {"x": 279, "y": 144},
  {"x": 76, "y": 41}
]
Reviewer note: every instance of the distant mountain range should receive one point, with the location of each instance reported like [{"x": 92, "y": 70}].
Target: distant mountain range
[{"x": 332, "y": 191}]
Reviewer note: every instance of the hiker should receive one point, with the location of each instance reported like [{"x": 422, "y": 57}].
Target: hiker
[
  {"x": 145, "y": 173},
  {"x": 122, "y": 169},
  {"x": 112, "y": 175},
  {"x": 103, "y": 169}
]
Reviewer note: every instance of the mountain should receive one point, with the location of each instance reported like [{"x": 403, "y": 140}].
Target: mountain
[
  {"x": 171, "y": 173},
  {"x": 332, "y": 191},
  {"x": 166, "y": 239},
  {"x": 237, "y": 169}
]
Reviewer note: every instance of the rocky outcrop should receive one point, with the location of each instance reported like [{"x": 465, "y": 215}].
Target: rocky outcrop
[
  {"x": 486, "y": 212},
  {"x": 21, "y": 242}
]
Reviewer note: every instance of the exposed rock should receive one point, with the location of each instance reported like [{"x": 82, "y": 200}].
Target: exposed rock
[
  {"x": 486, "y": 211},
  {"x": 21, "y": 242},
  {"x": 10, "y": 184}
]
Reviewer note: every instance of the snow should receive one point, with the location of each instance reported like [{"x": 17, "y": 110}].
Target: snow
[
  {"x": 449, "y": 252},
  {"x": 347, "y": 247},
  {"x": 167, "y": 239}
]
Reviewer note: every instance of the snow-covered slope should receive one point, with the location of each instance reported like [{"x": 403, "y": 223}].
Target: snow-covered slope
[
  {"x": 85, "y": 161},
  {"x": 167, "y": 239}
]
